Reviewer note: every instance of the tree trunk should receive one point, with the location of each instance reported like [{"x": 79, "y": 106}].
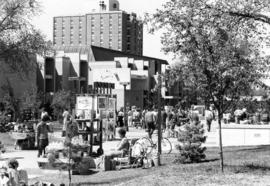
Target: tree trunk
[
  {"x": 220, "y": 143},
  {"x": 69, "y": 166}
]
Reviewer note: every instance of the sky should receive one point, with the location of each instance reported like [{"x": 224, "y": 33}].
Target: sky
[{"x": 52, "y": 8}]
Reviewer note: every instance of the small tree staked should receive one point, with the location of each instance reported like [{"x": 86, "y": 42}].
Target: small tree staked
[{"x": 191, "y": 139}]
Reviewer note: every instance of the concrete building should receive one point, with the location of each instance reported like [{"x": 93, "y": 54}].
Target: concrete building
[
  {"x": 109, "y": 28},
  {"x": 77, "y": 68}
]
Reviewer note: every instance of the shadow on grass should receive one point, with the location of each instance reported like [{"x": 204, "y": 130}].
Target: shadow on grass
[
  {"x": 249, "y": 167},
  {"x": 202, "y": 161},
  {"x": 260, "y": 148},
  {"x": 89, "y": 183},
  {"x": 17, "y": 158}
]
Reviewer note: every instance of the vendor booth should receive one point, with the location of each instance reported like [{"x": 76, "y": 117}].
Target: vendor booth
[
  {"x": 24, "y": 134},
  {"x": 93, "y": 113}
]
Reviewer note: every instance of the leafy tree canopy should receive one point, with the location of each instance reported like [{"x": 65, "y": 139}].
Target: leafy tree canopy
[
  {"x": 19, "y": 40},
  {"x": 219, "y": 54}
]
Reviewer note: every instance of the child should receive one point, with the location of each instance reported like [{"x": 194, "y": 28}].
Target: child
[
  {"x": 16, "y": 177},
  {"x": 4, "y": 180},
  {"x": 2, "y": 148},
  {"x": 13, "y": 172}
]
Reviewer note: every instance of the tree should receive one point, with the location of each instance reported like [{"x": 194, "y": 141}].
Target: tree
[
  {"x": 19, "y": 40},
  {"x": 219, "y": 57},
  {"x": 61, "y": 100},
  {"x": 245, "y": 10}
]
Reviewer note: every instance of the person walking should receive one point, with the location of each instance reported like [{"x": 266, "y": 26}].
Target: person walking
[{"x": 42, "y": 135}]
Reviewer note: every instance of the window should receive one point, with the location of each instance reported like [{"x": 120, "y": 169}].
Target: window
[
  {"x": 114, "y": 5},
  {"x": 128, "y": 47},
  {"x": 128, "y": 39},
  {"x": 128, "y": 32}
]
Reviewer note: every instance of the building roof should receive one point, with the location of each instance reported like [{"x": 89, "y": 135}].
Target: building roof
[{"x": 104, "y": 54}]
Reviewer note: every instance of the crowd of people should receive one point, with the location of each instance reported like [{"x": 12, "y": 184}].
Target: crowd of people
[{"x": 172, "y": 118}]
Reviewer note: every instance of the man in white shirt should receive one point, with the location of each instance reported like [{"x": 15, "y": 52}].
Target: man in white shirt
[{"x": 65, "y": 117}]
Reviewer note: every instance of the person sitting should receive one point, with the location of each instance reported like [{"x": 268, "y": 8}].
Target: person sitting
[{"x": 122, "y": 147}]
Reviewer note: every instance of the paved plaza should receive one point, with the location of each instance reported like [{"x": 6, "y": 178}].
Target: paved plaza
[{"x": 28, "y": 158}]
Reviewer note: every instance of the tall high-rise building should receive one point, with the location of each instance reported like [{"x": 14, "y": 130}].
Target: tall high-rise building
[{"x": 109, "y": 28}]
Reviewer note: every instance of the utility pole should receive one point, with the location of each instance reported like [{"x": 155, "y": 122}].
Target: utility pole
[{"x": 159, "y": 116}]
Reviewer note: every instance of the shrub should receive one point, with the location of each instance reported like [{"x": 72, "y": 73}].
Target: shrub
[{"x": 191, "y": 137}]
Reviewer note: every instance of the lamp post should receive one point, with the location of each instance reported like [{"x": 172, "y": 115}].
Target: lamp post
[{"x": 125, "y": 104}]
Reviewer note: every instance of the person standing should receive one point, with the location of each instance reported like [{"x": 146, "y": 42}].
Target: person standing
[
  {"x": 150, "y": 121},
  {"x": 209, "y": 116},
  {"x": 42, "y": 139},
  {"x": 65, "y": 118},
  {"x": 120, "y": 118},
  {"x": 130, "y": 115},
  {"x": 143, "y": 118},
  {"x": 163, "y": 119},
  {"x": 43, "y": 112}
]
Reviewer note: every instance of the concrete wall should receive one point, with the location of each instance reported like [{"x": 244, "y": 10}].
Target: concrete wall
[
  {"x": 134, "y": 97},
  {"x": 244, "y": 135}
]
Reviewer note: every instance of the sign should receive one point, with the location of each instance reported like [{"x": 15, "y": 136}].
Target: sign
[
  {"x": 102, "y": 103},
  {"x": 114, "y": 75},
  {"x": 84, "y": 103},
  {"x": 111, "y": 105}
]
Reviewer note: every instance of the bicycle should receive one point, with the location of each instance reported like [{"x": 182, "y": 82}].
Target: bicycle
[{"x": 149, "y": 145}]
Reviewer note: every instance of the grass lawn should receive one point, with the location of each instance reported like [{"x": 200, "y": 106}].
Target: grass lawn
[{"x": 243, "y": 166}]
